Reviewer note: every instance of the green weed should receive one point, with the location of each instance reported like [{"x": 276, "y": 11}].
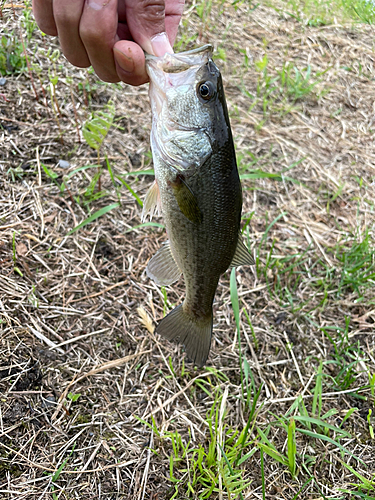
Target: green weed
[
  {"x": 12, "y": 57},
  {"x": 215, "y": 466},
  {"x": 370, "y": 427},
  {"x": 212, "y": 468},
  {"x": 73, "y": 397},
  {"x": 53, "y": 176},
  {"x": 16, "y": 173},
  {"x": 236, "y": 312},
  {"x": 323, "y": 12},
  {"x": 96, "y": 129},
  {"x": 360, "y": 10},
  {"x": 28, "y": 22},
  {"x": 278, "y": 91},
  {"x": 56, "y": 475},
  {"x": 296, "y": 83},
  {"x": 315, "y": 426},
  {"x": 372, "y": 383},
  {"x": 203, "y": 9},
  {"x": 346, "y": 355},
  {"x": 357, "y": 259}
]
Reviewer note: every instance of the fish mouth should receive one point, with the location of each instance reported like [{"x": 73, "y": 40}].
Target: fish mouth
[{"x": 174, "y": 63}]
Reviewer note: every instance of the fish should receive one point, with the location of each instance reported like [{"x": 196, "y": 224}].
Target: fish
[{"x": 197, "y": 189}]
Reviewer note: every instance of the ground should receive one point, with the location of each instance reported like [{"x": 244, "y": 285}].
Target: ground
[{"x": 93, "y": 403}]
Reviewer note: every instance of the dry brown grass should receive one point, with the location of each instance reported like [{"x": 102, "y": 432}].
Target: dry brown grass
[{"x": 77, "y": 314}]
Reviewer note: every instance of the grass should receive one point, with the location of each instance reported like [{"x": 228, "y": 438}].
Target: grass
[
  {"x": 92, "y": 400},
  {"x": 279, "y": 93},
  {"x": 324, "y": 12},
  {"x": 205, "y": 470},
  {"x": 12, "y": 58}
]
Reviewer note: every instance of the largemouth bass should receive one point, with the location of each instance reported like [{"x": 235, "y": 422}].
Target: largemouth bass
[{"x": 197, "y": 188}]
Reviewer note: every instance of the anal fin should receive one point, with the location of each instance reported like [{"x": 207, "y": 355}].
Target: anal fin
[
  {"x": 242, "y": 257},
  {"x": 162, "y": 268},
  {"x": 195, "y": 335},
  {"x": 152, "y": 202}
]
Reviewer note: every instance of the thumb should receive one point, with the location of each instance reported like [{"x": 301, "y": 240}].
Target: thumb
[{"x": 146, "y": 23}]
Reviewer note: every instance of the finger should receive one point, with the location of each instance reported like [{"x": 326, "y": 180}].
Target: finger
[
  {"x": 97, "y": 29},
  {"x": 146, "y": 22},
  {"x": 130, "y": 62},
  {"x": 173, "y": 13},
  {"x": 43, "y": 14},
  {"x": 67, "y": 18}
]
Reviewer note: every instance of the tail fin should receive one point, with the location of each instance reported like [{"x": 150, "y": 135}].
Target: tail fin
[{"x": 194, "y": 335}]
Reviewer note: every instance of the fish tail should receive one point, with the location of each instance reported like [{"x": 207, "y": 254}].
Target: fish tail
[{"x": 194, "y": 334}]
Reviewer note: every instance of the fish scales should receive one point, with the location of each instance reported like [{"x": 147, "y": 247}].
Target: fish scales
[{"x": 199, "y": 190}]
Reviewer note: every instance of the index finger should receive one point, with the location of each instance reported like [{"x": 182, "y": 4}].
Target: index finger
[
  {"x": 43, "y": 13},
  {"x": 146, "y": 23}
]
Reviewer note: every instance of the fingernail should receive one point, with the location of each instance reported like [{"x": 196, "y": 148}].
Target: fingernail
[
  {"x": 95, "y": 5},
  {"x": 125, "y": 62},
  {"x": 160, "y": 45}
]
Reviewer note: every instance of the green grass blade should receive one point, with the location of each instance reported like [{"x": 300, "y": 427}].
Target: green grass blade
[
  {"x": 358, "y": 494},
  {"x": 131, "y": 191},
  {"x": 236, "y": 312},
  {"x": 93, "y": 217},
  {"x": 321, "y": 423},
  {"x": 269, "y": 227},
  {"x": 292, "y": 447},
  {"x": 150, "y": 171},
  {"x": 302, "y": 488},
  {"x": 318, "y": 392},
  {"x": 369, "y": 485},
  {"x": 315, "y": 435},
  {"x": 146, "y": 224},
  {"x": 56, "y": 475},
  {"x": 262, "y": 474},
  {"x": 273, "y": 454}
]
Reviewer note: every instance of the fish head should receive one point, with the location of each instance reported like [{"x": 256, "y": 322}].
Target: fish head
[{"x": 189, "y": 113}]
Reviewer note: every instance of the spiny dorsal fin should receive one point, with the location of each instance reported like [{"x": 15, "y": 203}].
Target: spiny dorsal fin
[
  {"x": 162, "y": 267},
  {"x": 241, "y": 255},
  {"x": 152, "y": 202},
  {"x": 186, "y": 200},
  {"x": 194, "y": 335}
]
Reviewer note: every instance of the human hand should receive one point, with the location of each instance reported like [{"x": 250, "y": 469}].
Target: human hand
[{"x": 111, "y": 35}]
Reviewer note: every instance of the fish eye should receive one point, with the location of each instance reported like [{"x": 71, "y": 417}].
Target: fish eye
[{"x": 206, "y": 90}]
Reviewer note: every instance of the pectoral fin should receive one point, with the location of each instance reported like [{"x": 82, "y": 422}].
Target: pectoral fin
[
  {"x": 186, "y": 200},
  {"x": 242, "y": 256},
  {"x": 152, "y": 202},
  {"x": 162, "y": 268}
]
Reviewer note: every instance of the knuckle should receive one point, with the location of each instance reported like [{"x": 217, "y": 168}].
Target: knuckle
[
  {"x": 93, "y": 35},
  {"x": 64, "y": 18},
  {"x": 152, "y": 9}
]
